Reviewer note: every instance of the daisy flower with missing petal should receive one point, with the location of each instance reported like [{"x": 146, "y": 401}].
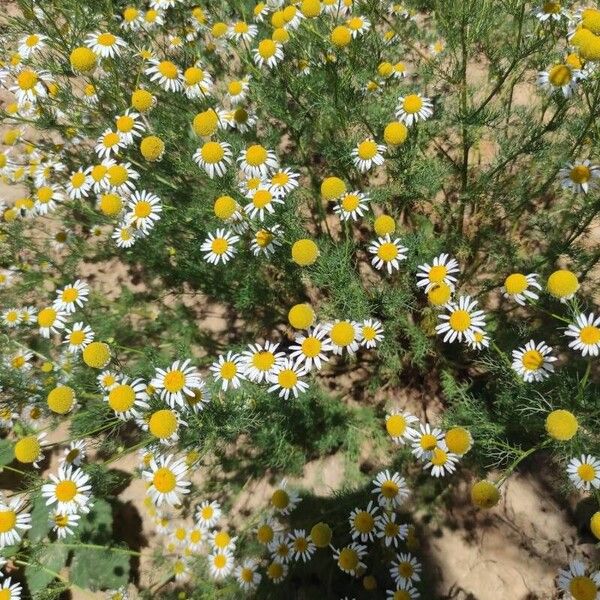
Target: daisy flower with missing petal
[
  {"x": 371, "y": 333},
  {"x": 398, "y": 424},
  {"x": 579, "y": 581},
  {"x": 105, "y": 44},
  {"x": 51, "y": 320},
  {"x": 285, "y": 378},
  {"x": 175, "y": 382},
  {"x": 220, "y": 563},
  {"x": 13, "y": 521},
  {"x": 265, "y": 241},
  {"x": 533, "y": 362},
  {"x": 144, "y": 210},
  {"x": 349, "y": 558},
  {"x": 127, "y": 399},
  {"x": 413, "y": 108},
  {"x": 229, "y": 370},
  {"x": 387, "y": 252},
  {"x": 166, "y": 478},
  {"x": 284, "y": 500},
  {"x": 237, "y": 90},
  {"x": 69, "y": 490},
  {"x": 424, "y": 440},
  {"x": 441, "y": 461},
  {"x": 260, "y": 360},
  {"x": 479, "y": 341},
  {"x": 268, "y": 53},
  {"x": 166, "y": 74},
  {"x": 63, "y": 524},
  {"x": 584, "y": 472},
  {"x": 344, "y": 335},
  {"x": 368, "y": 154},
  {"x": 391, "y": 532},
  {"x": 130, "y": 126},
  {"x": 579, "y": 177},
  {"x": 247, "y": 574},
  {"x": 78, "y": 337},
  {"x": 219, "y": 247},
  {"x": 586, "y": 332},
  {"x": 405, "y": 570},
  {"x": 72, "y": 297},
  {"x": 302, "y": 547},
  {"x": 214, "y": 157},
  {"x": 516, "y": 286},
  {"x": 46, "y": 199},
  {"x": 391, "y": 489},
  {"x": 442, "y": 270},
  {"x": 559, "y": 77},
  {"x": 309, "y": 350},
  {"x": 358, "y": 25},
  {"x": 351, "y": 206},
  {"x": 75, "y": 453},
  {"x": 463, "y": 321}
]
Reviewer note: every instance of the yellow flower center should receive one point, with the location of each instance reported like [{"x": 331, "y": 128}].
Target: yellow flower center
[
  {"x": 413, "y": 104},
  {"x": 125, "y": 123},
  {"x": 212, "y": 152},
  {"x": 387, "y": 251},
  {"x": 121, "y": 398},
  {"x": 70, "y": 295},
  {"x": 405, "y": 569},
  {"x": 287, "y": 379},
  {"x": 391, "y": 529},
  {"x": 267, "y": 48},
  {"x": 222, "y": 539},
  {"x": 263, "y": 237},
  {"x": 439, "y": 457},
  {"x": 580, "y": 174},
  {"x": 562, "y": 283},
  {"x": 264, "y": 533},
  {"x": 106, "y": 39},
  {"x": 311, "y": 347},
  {"x": 458, "y": 440},
  {"x": 342, "y": 333},
  {"x": 32, "y": 40},
  {"x": 110, "y": 204},
  {"x": 98, "y": 172},
  {"x": 348, "y": 559},
  {"x": 235, "y": 88},
  {"x": 117, "y": 175},
  {"x": 164, "y": 480},
  {"x": 367, "y": 149},
  {"x": 369, "y": 333},
  {"x": 27, "y": 449},
  {"x": 168, "y": 69},
  {"x": 44, "y": 194},
  {"x": 583, "y": 588},
  {"x": 364, "y": 522},
  {"x": 589, "y": 335},
  {"x": 586, "y": 472},
  {"x": 111, "y": 139},
  {"x": 66, "y": 490},
  {"x": 130, "y": 14},
  {"x": 261, "y": 198},
  {"x": 77, "y": 337},
  {"x": 142, "y": 209},
  {"x": 18, "y": 362},
  {"x": 532, "y": 360},
  {"x": 280, "y": 499},
  {"x": 228, "y": 370},
  {"x": 247, "y": 575},
  {"x": 396, "y": 425},
  {"x": 256, "y": 155},
  {"x": 219, "y": 246},
  {"x": 78, "y": 179},
  {"x": 515, "y": 284},
  {"x": 551, "y": 8},
  {"x": 8, "y": 520},
  {"x": 437, "y": 273},
  {"x": 163, "y": 423},
  {"x": 389, "y": 489},
  {"x": 174, "y": 381},
  {"x": 263, "y": 360},
  {"x": 193, "y": 75},
  {"x": 61, "y": 520},
  {"x": 350, "y": 202},
  {"x": 559, "y": 75},
  {"x": 27, "y": 79},
  {"x": 241, "y": 27},
  {"x": 460, "y": 320},
  {"x": 46, "y": 317},
  {"x": 355, "y": 23}
]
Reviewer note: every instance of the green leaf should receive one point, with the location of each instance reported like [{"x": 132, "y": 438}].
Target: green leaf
[
  {"x": 96, "y": 526},
  {"x": 99, "y": 568},
  {"x": 40, "y": 524},
  {"x": 7, "y": 452},
  {"x": 49, "y": 563}
]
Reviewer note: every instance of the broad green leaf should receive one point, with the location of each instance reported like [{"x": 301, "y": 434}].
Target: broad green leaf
[
  {"x": 99, "y": 568},
  {"x": 40, "y": 524},
  {"x": 7, "y": 452},
  {"x": 41, "y": 571}
]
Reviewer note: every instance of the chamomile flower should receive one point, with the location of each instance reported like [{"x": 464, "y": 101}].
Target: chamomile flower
[
  {"x": 259, "y": 361},
  {"x": 214, "y": 157},
  {"x": 268, "y": 53},
  {"x": 51, "y": 320},
  {"x": 208, "y": 513},
  {"x": 196, "y": 81},
  {"x": 387, "y": 253},
  {"x": 163, "y": 424},
  {"x": 352, "y": 205},
  {"x": 584, "y": 472},
  {"x": 11, "y": 317},
  {"x": 533, "y": 362},
  {"x": 247, "y": 574},
  {"x": 105, "y": 44},
  {"x": 560, "y": 77},
  {"x": 46, "y": 198},
  {"x": 310, "y": 350},
  {"x": 229, "y": 370},
  {"x": 463, "y": 321},
  {"x": 441, "y": 270},
  {"x": 130, "y": 126},
  {"x": 257, "y": 161},
  {"x": 127, "y": 399},
  {"x": 124, "y": 236},
  {"x": 266, "y": 241},
  {"x": 98, "y": 175},
  {"x": 219, "y": 246},
  {"x": 285, "y": 378},
  {"x": 237, "y": 90},
  {"x": 441, "y": 461},
  {"x": 72, "y": 296},
  {"x": 75, "y": 453},
  {"x": 153, "y": 19},
  {"x": 479, "y": 341},
  {"x": 122, "y": 178},
  {"x": 358, "y": 25},
  {"x": 132, "y": 18},
  {"x": 516, "y": 286},
  {"x": 398, "y": 424},
  {"x": 30, "y": 85},
  {"x": 284, "y": 500},
  {"x": 144, "y": 210},
  {"x": 405, "y": 570},
  {"x": 579, "y": 582},
  {"x": 166, "y": 73},
  {"x": 349, "y": 558},
  {"x": 371, "y": 333},
  {"x": 579, "y": 177},
  {"x": 13, "y": 521},
  {"x": 220, "y": 563},
  {"x": 425, "y": 440},
  {"x": 30, "y": 44},
  {"x": 280, "y": 548},
  {"x": 261, "y": 203},
  {"x": 282, "y": 182},
  {"x": 69, "y": 490},
  {"x": 10, "y": 591},
  {"x": 586, "y": 332},
  {"x": 362, "y": 523},
  {"x": 368, "y": 154},
  {"x": 241, "y": 31},
  {"x": 79, "y": 185},
  {"x": 78, "y": 337},
  {"x": 63, "y": 524},
  {"x": 391, "y": 532},
  {"x": 167, "y": 481},
  {"x": 107, "y": 380},
  {"x": 175, "y": 382},
  {"x": 413, "y": 108},
  {"x": 196, "y": 539},
  {"x": 109, "y": 143},
  {"x": 549, "y": 11},
  {"x": 390, "y": 488},
  {"x": 302, "y": 547},
  {"x": 29, "y": 449},
  {"x": 20, "y": 360}
]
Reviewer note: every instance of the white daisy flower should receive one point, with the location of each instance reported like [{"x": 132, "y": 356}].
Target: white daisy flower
[
  {"x": 220, "y": 563},
  {"x": 352, "y": 205},
  {"x": 175, "y": 382},
  {"x": 247, "y": 574},
  {"x": 344, "y": 335},
  {"x": 69, "y": 490},
  {"x": 208, "y": 513},
  {"x": 405, "y": 570},
  {"x": 75, "y": 453},
  {"x": 285, "y": 378},
  {"x": 362, "y": 523},
  {"x": 358, "y": 25},
  {"x": 20, "y": 360},
  {"x": 302, "y": 546},
  {"x": 127, "y": 399},
  {"x": 413, "y": 108},
  {"x": 371, "y": 333},
  {"x": 284, "y": 500},
  {"x": 479, "y": 341},
  {"x": 51, "y": 320},
  {"x": 241, "y": 31},
  {"x": 46, "y": 198},
  {"x": 166, "y": 73},
  {"x": 442, "y": 270},
  {"x": 237, "y": 90},
  {"x": 196, "y": 81},
  {"x": 579, "y": 582},
  {"x": 124, "y": 236},
  {"x": 219, "y": 247},
  {"x": 398, "y": 424},
  {"x": 229, "y": 370},
  {"x": 441, "y": 461},
  {"x": 167, "y": 482},
  {"x": 130, "y": 126},
  {"x": 105, "y": 44},
  {"x": 516, "y": 286},
  {"x": 349, "y": 558},
  {"x": 63, "y": 524},
  {"x": 584, "y": 472},
  {"x": 78, "y": 337},
  {"x": 30, "y": 44},
  {"x": 11, "y": 591},
  {"x": 214, "y": 157},
  {"x": 463, "y": 321},
  {"x": 79, "y": 185},
  {"x": 425, "y": 440},
  {"x": 259, "y": 361},
  {"x": 579, "y": 177},
  {"x": 144, "y": 210},
  {"x": 368, "y": 154},
  {"x": 109, "y": 143},
  {"x": 30, "y": 85},
  {"x": 387, "y": 252},
  {"x": 559, "y": 77},
  {"x": 13, "y": 521},
  {"x": 262, "y": 203},
  {"x": 268, "y": 53},
  {"x": 550, "y": 11},
  {"x": 265, "y": 241},
  {"x": 72, "y": 296},
  {"x": 586, "y": 332},
  {"x": 257, "y": 161},
  {"x": 281, "y": 548},
  {"x": 11, "y": 317},
  {"x": 391, "y": 489},
  {"x": 391, "y": 532},
  {"x": 122, "y": 178},
  {"x": 309, "y": 350},
  {"x": 533, "y": 362}
]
